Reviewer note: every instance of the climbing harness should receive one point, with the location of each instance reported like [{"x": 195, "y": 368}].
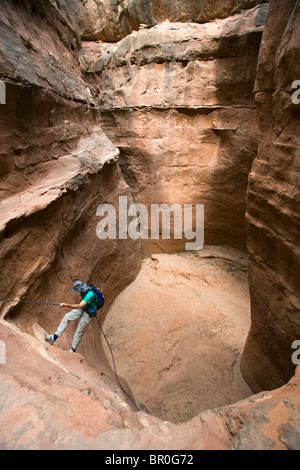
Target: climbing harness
[{"x": 104, "y": 335}]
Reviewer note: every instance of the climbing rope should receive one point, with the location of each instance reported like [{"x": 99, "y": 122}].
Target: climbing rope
[
  {"x": 114, "y": 364},
  {"x": 104, "y": 335},
  {"x": 27, "y": 302}
]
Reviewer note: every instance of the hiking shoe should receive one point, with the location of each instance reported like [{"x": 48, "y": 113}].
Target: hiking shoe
[
  {"x": 49, "y": 338},
  {"x": 72, "y": 350}
]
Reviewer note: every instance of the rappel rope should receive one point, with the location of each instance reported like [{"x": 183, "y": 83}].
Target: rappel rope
[
  {"x": 114, "y": 364},
  {"x": 104, "y": 335},
  {"x": 28, "y": 302}
]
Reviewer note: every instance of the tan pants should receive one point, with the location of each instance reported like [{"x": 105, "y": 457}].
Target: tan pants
[{"x": 71, "y": 316}]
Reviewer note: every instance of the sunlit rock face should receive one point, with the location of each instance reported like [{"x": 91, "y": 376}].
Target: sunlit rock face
[
  {"x": 177, "y": 100},
  {"x": 112, "y": 20},
  {"x": 57, "y": 165}
]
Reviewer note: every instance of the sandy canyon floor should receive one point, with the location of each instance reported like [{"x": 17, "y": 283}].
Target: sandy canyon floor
[{"x": 178, "y": 331}]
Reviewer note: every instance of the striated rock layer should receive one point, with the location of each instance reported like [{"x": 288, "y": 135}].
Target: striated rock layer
[
  {"x": 273, "y": 218},
  {"x": 111, "y": 20},
  {"x": 177, "y": 100},
  {"x": 57, "y": 166}
]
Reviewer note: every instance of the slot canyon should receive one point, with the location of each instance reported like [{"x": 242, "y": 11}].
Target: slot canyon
[{"x": 188, "y": 103}]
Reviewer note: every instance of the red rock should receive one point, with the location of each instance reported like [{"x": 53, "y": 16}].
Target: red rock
[
  {"x": 273, "y": 208},
  {"x": 57, "y": 166},
  {"x": 110, "y": 21},
  {"x": 177, "y": 101}
]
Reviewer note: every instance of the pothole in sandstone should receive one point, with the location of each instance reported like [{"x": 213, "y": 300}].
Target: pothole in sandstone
[{"x": 178, "y": 331}]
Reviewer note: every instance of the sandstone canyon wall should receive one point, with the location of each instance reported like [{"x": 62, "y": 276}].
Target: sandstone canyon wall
[
  {"x": 85, "y": 123},
  {"x": 57, "y": 167},
  {"x": 177, "y": 100},
  {"x": 273, "y": 206},
  {"x": 110, "y": 21}
]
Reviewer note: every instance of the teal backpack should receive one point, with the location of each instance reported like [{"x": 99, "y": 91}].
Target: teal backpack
[
  {"x": 98, "y": 302},
  {"x": 99, "y": 295}
]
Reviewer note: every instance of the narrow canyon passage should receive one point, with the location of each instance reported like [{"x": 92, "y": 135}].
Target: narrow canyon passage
[
  {"x": 176, "y": 104},
  {"x": 178, "y": 331}
]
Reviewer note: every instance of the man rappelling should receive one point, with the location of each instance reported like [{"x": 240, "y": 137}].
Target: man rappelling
[{"x": 86, "y": 310}]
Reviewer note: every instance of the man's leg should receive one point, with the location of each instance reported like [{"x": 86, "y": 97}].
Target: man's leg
[
  {"x": 85, "y": 320},
  {"x": 71, "y": 316}
]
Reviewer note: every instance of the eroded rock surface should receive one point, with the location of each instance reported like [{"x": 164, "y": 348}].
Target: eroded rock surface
[
  {"x": 111, "y": 20},
  {"x": 54, "y": 400},
  {"x": 57, "y": 166},
  {"x": 273, "y": 207},
  {"x": 177, "y": 100}
]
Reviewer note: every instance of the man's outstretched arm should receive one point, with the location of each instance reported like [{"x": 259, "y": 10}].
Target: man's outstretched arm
[{"x": 77, "y": 306}]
